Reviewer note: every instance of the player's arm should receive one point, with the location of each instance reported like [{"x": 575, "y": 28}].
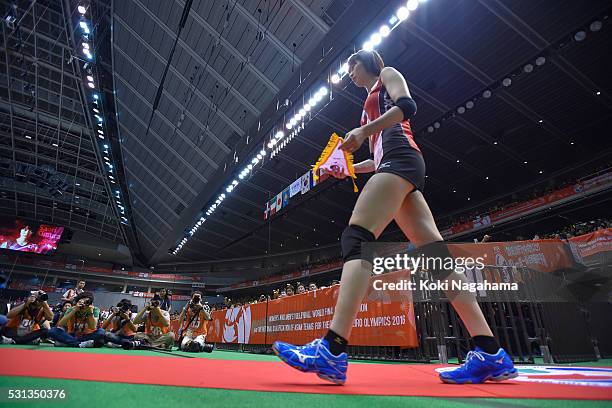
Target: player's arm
[
  {"x": 366, "y": 166},
  {"x": 396, "y": 87}
]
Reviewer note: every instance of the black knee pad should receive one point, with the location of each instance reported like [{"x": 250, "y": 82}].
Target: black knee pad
[{"x": 352, "y": 238}]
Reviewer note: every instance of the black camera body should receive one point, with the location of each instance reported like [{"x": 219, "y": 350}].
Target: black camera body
[
  {"x": 41, "y": 296},
  {"x": 155, "y": 303},
  {"x": 123, "y": 307}
]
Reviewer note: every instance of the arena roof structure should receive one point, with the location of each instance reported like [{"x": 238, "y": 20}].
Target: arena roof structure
[{"x": 190, "y": 92}]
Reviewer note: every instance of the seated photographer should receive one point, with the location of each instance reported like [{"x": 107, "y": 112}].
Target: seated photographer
[
  {"x": 157, "y": 326},
  {"x": 60, "y": 310},
  {"x": 119, "y": 327},
  {"x": 193, "y": 325},
  {"x": 28, "y": 322},
  {"x": 77, "y": 328}
]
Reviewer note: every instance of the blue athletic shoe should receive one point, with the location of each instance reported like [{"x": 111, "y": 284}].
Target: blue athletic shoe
[
  {"x": 480, "y": 367},
  {"x": 314, "y": 357}
]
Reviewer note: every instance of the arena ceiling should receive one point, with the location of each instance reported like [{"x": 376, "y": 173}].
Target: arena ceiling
[{"x": 190, "y": 95}]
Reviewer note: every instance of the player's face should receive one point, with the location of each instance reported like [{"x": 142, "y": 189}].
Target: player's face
[{"x": 358, "y": 74}]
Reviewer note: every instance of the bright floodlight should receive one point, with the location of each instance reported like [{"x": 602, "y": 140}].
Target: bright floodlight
[
  {"x": 318, "y": 97},
  {"x": 375, "y": 39},
  {"x": 302, "y": 112},
  {"x": 323, "y": 90},
  {"x": 384, "y": 31},
  {"x": 280, "y": 134},
  {"x": 259, "y": 156},
  {"x": 402, "y": 13},
  {"x": 367, "y": 46},
  {"x": 90, "y": 78},
  {"x": 293, "y": 121},
  {"x": 288, "y": 125},
  {"x": 263, "y": 152},
  {"x": 82, "y": 9},
  {"x": 335, "y": 79},
  {"x": 412, "y": 4},
  {"x": 307, "y": 107},
  {"x": 84, "y": 27},
  {"x": 91, "y": 85},
  {"x": 312, "y": 101},
  {"x": 85, "y": 46}
]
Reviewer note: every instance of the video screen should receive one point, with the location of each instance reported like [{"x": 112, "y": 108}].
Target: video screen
[{"x": 24, "y": 236}]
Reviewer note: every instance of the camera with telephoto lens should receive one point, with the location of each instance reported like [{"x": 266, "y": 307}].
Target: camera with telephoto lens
[
  {"x": 123, "y": 307},
  {"x": 41, "y": 296}
]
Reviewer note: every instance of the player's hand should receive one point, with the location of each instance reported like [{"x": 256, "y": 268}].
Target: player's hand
[
  {"x": 353, "y": 140},
  {"x": 337, "y": 172}
]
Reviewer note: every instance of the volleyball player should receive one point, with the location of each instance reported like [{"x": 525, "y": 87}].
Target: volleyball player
[{"x": 394, "y": 192}]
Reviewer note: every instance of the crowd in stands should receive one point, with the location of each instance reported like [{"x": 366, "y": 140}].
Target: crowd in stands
[
  {"x": 515, "y": 199},
  {"x": 77, "y": 322},
  {"x": 577, "y": 229},
  {"x": 289, "y": 289}
]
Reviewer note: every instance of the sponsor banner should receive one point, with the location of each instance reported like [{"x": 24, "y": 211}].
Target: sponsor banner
[
  {"x": 241, "y": 324},
  {"x": 588, "y": 245},
  {"x": 545, "y": 255},
  {"x": 385, "y": 318},
  {"x": 531, "y": 205}
]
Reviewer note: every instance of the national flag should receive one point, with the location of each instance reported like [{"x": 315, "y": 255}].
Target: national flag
[
  {"x": 285, "y": 194},
  {"x": 279, "y": 201},
  {"x": 267, "y": 210},
  {"x": 305, "y": 182},
  {"x": 295, "y": 187},
  {"x": 273, "y": 208}
]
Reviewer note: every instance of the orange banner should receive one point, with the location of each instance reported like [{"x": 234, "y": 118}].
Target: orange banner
[
  {"x": 593, "y": 243},
  {"x": 385, "y": 318},
  {"x": 545, "y": 255}
]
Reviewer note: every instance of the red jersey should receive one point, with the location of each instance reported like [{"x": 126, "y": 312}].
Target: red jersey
[{"x": 377, "y": 104}]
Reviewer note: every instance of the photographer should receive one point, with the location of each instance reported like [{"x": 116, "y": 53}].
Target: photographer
[
  {"x": 74, "y": 292},
  {"x": 157, "y": 326},
  {"x": 60, "y": 310},
  {"x": 77, "y": 328},
  {"x": 193, "y": 325},
  {"x": 166, "y": 299},
  {"x": 29, "y": 321},
  {"x": 119, "y": 327}
]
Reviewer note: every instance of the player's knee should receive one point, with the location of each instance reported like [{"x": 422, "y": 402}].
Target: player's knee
[{"x": 353, "y": 237}]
